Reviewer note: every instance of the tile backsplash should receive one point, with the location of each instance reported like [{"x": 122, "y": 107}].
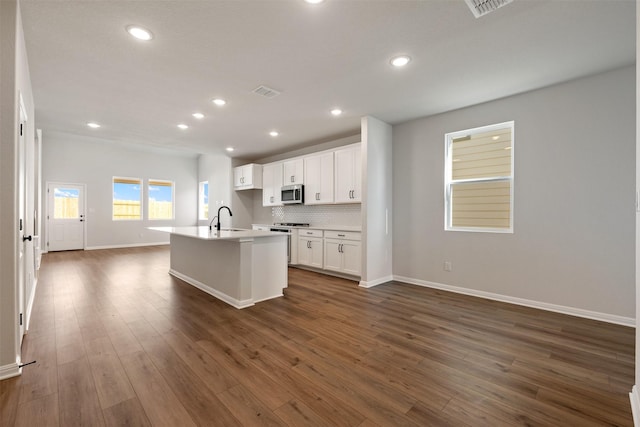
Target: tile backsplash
[{"x": 319, "y": 215}]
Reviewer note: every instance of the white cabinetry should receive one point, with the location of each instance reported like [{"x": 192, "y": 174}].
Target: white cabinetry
[
  {"x": 247, "y": 177},
  {"x": 271, "y": 184},
  {"x": 318, "y": 178},
  {"x": 293, "y": 172},
  {"x": 310, "y": 248},
  {"x": 348, "y": 175},
  {"x": 342, "y": 252}
]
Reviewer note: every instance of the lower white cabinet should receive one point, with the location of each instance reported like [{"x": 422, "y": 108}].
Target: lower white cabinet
[
  {"x": 310, "y": 246},
  {"x": 342, "y": 252}
]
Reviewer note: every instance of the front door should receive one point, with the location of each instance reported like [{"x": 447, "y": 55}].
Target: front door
[{"x": 65, "y": 217}]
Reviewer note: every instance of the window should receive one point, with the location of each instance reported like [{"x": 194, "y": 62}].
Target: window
[
  {"x": 65, "y": 203},
  {"x": 203, "y": 200},
  {"x": 127, "y": 198},
  {"x": 160, "y": 199},
  {"x": 479, "y": 179}
]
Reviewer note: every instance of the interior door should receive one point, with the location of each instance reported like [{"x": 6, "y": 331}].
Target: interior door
[
  {"x": 65, "y": 217},
  {"x": 23, "y": 237}
]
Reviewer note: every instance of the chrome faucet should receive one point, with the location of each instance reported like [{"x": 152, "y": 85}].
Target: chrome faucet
[
  {"x": 219, "y": 209},
  {"x": 211, "y": 222}
]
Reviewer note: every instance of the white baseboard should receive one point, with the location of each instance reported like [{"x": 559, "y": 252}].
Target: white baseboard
[
  {"x": 587, "y": 314},
  {"x": 213, "y": 292},
  {"x": 131, "y": 245},
  {"x": 635, "y": 405},
  {"x": 8, "y": 371},
  {"x": 372, "y": 283}
]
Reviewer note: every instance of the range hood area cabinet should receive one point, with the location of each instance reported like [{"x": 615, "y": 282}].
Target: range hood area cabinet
[
  {"x": 247, "y": 177},
  {"x": 293, "y": 172}
]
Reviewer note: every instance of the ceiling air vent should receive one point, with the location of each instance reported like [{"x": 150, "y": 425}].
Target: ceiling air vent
[
  {"x": 265, "y": 91},
  {"x": 482, "y": 7}
]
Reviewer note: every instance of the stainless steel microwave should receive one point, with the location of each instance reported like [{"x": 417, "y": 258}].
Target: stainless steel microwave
[{"x": 292, "y": 194}]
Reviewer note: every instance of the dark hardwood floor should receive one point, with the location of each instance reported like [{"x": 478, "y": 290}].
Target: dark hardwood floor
[{"x": 120, "y": 342}]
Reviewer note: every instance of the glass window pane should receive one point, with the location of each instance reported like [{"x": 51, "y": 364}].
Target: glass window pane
[
  {"x": 203, "y": 200},
  {"x": 482, "y": 155},
  {"x": 481, "y": 204},
  {"x": 160, "y": 199},
  {"x": 126, "y": 199},
  {"x": 65, "y": 203}
]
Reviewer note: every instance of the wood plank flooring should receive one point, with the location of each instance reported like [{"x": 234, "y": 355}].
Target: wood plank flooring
[{"x": 120, "y": 342}]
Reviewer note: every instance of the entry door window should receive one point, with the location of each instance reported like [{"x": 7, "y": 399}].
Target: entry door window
[{"x": 65, "y": 203}]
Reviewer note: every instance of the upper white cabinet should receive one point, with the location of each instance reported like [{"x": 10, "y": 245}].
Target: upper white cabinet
[
  {"x": 247, "y": 177},
  {"x": 318, "y": 178},
  {"x": 271, "y": 184},
  {"x": 348, "y": 175},
  {"x": 293, "y": 172}
]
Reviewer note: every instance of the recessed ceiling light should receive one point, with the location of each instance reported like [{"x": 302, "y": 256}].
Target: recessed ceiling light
[
  {"x": 229, "y": 149},
  {"x": 198, "y": 115},
  {"x": 139, "y": 32},
  {"x": 336, "y": 111},
  {"x": 274, "y": 133},
  {"x": 314, "y": 1},
  {"x": 93, "y": 125},
  {"x": 219, "y": 102},
  {"x": 496, "y": 137},
  {"x": 183, "y": 126},
  {"x": 400, "y": 61}
]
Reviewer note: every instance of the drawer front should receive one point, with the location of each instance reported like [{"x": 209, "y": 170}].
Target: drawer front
[
  {"x": 303, "y": 232},
  {"x": 345, "y": 235}
]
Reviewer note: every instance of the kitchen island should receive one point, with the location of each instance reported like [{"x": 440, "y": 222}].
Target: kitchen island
[{"x": 239, "y": 267}]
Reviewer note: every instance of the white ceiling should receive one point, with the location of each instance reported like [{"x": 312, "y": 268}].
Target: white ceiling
[{"x": 85, "y": 67}]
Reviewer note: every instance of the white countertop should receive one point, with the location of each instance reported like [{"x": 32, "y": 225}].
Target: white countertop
[
  {"x": 319, "y": 227},
  {"x": 203, "y": 232}
]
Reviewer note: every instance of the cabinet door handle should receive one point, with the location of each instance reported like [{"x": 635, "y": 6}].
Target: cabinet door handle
[
  {"x": 292, "y": 178},
  {"x": 341, "y": 235},
  {"x": 271, "y": 199},
  {"x": 317, "y": 196}
]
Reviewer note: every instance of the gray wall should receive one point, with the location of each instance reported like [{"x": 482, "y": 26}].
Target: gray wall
[
  {"x": 574, "y": 222},
  {"x": 94, "y": 162}
]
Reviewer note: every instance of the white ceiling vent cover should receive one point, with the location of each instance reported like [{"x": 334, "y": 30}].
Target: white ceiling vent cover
[
  {"x": 265, "y": 91},
  {"x": 482, "y": 7}
]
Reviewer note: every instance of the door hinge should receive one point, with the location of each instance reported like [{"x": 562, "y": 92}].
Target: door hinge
[{"x": 20, "y": 319}]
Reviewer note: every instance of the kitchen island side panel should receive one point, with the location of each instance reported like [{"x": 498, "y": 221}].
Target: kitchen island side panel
[
  {"x": 240, "y": 272},
  {"x": 217, "y": 264}
]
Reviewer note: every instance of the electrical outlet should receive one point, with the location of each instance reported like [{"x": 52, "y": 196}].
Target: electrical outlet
[{"x": 447, "y": 266}]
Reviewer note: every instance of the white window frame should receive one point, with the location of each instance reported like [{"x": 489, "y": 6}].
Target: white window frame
[
  {"x": 141, "y": 184},
  {"x": 173, "y": 199},
  {"x": 201, "y": 185},
  {"x": 449, "y": 182}
]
